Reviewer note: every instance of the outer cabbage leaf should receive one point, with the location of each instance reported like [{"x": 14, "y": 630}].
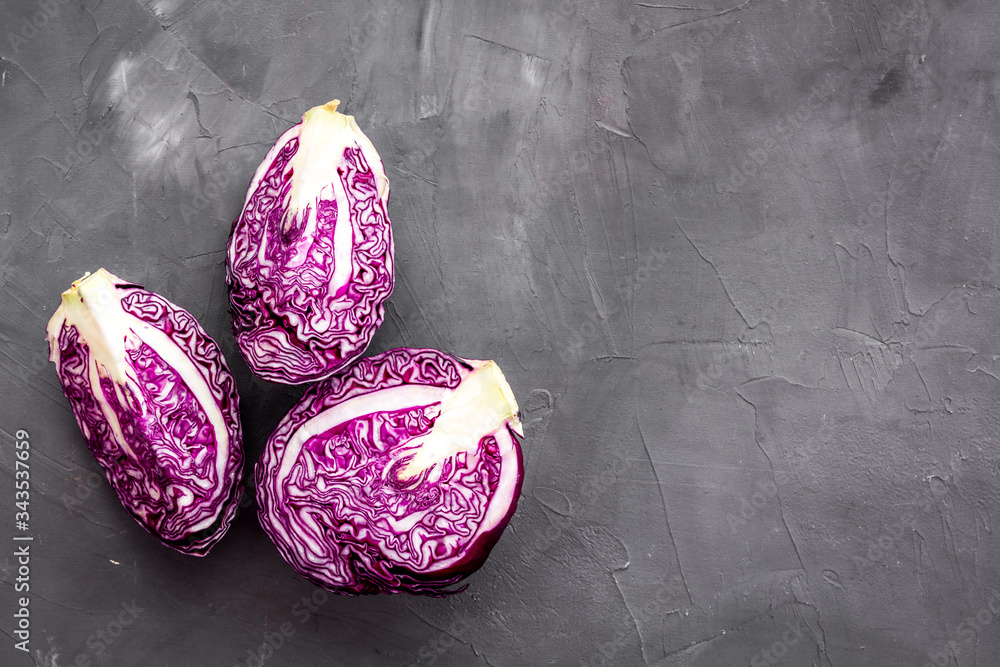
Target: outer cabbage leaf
[
  {"x": 157, "y": 406},
  {"x": 310, "y": 258},
  {"x": 396, "y": 476}
]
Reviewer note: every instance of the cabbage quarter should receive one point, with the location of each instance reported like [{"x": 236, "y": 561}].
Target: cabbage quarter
[
  {"x": 157, "y": 406},
  {"x": 396, "y": 476},
  {"x": 310, "y": 258}
]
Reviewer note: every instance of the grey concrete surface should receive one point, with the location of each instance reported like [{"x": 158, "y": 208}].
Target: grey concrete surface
[{"x": 739, "y": 261}]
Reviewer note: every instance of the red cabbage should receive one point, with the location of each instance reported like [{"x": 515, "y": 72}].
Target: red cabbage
[
  {"x": 310, "y": 258},
  {"x": 396, "y": 476},
  {"x": 157, "y": 405}
]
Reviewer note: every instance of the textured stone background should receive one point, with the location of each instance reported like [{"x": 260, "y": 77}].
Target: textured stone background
[{"x": 739, "y": 263}]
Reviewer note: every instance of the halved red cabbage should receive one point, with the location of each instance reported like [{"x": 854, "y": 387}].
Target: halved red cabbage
[
  {"x": 157, "y": 405},
  {"x": 396, "y": 476},
  {"x": 310, "y": 258}
]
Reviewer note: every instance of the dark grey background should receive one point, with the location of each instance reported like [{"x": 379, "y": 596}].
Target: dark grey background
[{"x": 739, "y": 264}]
